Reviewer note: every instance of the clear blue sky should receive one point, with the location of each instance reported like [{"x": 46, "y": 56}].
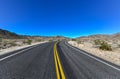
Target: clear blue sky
[{"x": 70, "y": 18}]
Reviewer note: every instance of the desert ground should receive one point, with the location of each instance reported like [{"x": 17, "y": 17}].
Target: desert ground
[
  {"x": 111, "y": 56},
  {"x": 9, "y": 45}
]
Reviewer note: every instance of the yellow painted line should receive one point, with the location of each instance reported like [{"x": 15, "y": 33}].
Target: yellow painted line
[
  {"x": 56, "y": 65},
  {"x": 59, "y": 69}
]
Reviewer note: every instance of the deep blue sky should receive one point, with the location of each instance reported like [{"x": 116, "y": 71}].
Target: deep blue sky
[{"x": 70, "y": 18}]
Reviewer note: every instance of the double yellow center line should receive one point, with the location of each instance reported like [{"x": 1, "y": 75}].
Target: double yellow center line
[{"x": 59, "y": 70}]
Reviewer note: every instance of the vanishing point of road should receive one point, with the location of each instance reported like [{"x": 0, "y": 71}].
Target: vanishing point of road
[{"x": 55, "y": 60}]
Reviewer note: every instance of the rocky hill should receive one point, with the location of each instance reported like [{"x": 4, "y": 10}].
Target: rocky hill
[
  {"x": 9, "y": 35},
  {"x": 113, "y": 37}
]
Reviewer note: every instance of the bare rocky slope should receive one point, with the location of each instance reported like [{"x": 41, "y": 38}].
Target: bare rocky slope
[
  {"x": 113, "y": 37},
  {"x": 9, "y": 35}
]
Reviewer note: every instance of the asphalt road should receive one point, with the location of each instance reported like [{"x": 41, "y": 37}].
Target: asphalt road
[{"x": 55, "y": 61}]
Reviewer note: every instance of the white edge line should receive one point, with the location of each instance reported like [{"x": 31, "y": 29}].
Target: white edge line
[
  {"x": 17, "y": 53},
  {"x": 94, "y": 58}
]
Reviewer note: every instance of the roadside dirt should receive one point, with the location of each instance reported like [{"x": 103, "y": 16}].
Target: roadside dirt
[
  {"x": 7, "y": 50},
  {"x": 112, "y": 56}
]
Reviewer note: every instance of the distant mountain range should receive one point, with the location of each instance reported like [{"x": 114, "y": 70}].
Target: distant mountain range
[
  {"x": 101, "y": 36},
  {"x": 11, "y": 35}
]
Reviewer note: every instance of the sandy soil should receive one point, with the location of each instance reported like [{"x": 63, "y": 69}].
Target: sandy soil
[
  {"x": 112, "y": 56},
  {"x": 4, "y": 51}
]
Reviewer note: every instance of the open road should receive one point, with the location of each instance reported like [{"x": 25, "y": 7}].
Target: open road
[{"x": 55, "y": 60}]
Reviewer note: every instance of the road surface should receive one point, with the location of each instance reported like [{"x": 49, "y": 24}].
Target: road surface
[{"x": 55, "y": 60}]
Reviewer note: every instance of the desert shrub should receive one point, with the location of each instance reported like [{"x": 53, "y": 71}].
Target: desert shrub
[
  {"x": 50, "y": 40},
  {"x": 105, "y": 46},
  {"x": 98, "y": 42},
  {"x": 39, "y": 40},
  {"x": 102, "y": 45},
  {"x": 74, "y": 40},
  {"x": 12, "y": 43},
  {"x": 7, "y": 44},
  {"x": 119, "y": 45},
  {"x": 27, "y": 41}
]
